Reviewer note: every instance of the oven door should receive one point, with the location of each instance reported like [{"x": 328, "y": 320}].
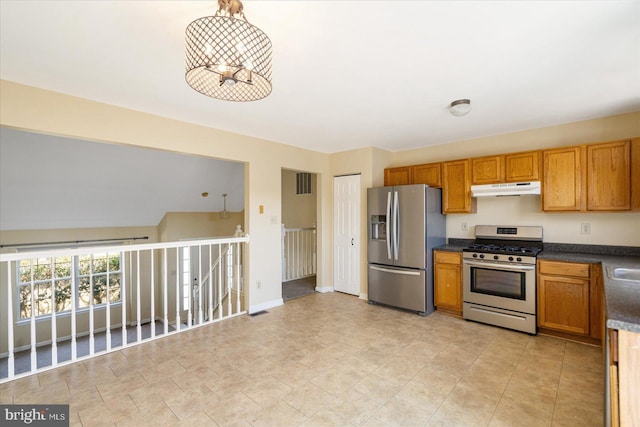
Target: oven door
[{"x": 501, "y": 285}]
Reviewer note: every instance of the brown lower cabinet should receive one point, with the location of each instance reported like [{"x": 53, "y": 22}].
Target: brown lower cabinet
[
  {"x": 570, "y": 300},
  {"x": 447, "y": 281}
]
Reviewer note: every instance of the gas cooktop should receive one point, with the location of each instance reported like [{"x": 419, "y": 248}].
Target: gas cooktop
[
  {"x": 504, "y": 249},
  {"x": 506, "y": 240}
]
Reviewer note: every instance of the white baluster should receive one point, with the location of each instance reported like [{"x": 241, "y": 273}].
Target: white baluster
[
  {"x": 34, "y": 343},
  {"x": 10, "y": 344},
  {"x": 200, "y": 317},
  {"x": 107, "y": 310},
  {"x": 229, "y": 279},
  {"x": 153, "y": 295},
  {"x": 237, "y": 245},
  {"x": 74, "y": 295},
  {"x": 220, "y": 268},
  {"x": 92, "y": 341},
  {"x": 138, "y": 306},
  {"x": 123, "y": 296},
  {"x": 210, "y": 282},
  {"x": 189, "y": 289},
  {"x": 165, "y": 286},
  {"x": 178, "y": 289},
  {"x": 54, "y": 323}
]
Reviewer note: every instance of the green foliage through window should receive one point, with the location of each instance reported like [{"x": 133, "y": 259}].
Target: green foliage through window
[{"x": 98, "y": 279}]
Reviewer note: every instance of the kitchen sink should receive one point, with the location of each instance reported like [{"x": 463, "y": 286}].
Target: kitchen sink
[{"x": 624, "y": 273}]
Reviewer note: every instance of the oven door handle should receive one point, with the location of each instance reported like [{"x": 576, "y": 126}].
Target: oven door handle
[{"x": 501, "y": 266}]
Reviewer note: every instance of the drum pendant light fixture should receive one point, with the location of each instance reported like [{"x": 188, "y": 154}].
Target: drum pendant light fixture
[{"x": 226, "y": 57}]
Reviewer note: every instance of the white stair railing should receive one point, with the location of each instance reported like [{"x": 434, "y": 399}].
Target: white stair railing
[
  {"x": 298, "y": 253},
  {"x": 65, "y": 305}
]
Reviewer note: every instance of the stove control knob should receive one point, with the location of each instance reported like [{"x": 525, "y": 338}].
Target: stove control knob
[
  {"x": 481, "y": 256},
  {"x": 510, "y": 258},
  {"x": 496, "y": 257},
  {"x": 475, "y": 255},
  {"x": 518, "y": 259}
]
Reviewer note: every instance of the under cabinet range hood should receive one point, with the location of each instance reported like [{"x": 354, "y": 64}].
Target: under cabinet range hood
[{"x": 506, "y": 189}]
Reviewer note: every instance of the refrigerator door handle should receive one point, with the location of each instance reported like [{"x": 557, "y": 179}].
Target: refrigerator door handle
[
  {"x": 396, "y": 225},
  {"x": 387, "y": 225},
  {"x": 393, "y": 271}
]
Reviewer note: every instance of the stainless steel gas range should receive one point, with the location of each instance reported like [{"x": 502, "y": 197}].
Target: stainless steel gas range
[{"x": 499, "y": 276}]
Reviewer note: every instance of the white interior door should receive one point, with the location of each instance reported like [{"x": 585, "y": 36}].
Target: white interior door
[{"x": 346, "y": 234}]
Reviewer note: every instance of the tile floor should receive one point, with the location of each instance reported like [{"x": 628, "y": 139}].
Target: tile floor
[{"x": 331, "y": 359}]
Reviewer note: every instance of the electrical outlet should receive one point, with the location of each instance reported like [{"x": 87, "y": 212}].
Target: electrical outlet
[
  {"x": 258, "y": 284},
  {"x": 464, "y": 226},
  {"x": 585, "y": 228}
]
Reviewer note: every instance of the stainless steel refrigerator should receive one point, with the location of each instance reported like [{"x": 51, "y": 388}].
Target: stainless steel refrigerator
[{"x": 405, "y": 224}]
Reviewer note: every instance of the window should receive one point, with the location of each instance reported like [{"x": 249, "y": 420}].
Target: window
[{"x": 98, "y": 278}]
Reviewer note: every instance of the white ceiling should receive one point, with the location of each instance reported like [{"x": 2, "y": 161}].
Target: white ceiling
[
  {"x": 346, "y": 74},
  {"x": 51, "y": 182}
]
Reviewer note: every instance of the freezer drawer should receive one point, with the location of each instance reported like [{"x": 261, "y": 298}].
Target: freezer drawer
[{"x": 404, "y": 288}]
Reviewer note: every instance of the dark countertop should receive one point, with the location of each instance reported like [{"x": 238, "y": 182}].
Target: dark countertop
[
  {"x": 622, "y": 297},
  {"x": 449, "y": 248},
  {"x": 455, "y": 245}
]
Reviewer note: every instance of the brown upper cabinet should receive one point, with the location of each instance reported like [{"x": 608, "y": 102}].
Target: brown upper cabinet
[
  {"x": 522, "y": 166},
  {"x": 609, "y": 176},
  {"x": 397, "y": 176},
  {"x": 516, "y": 167},
  {"x": 429, "y": 174},
  {"x": 562, "y": 188},
  {"x": 487, "y": 170},
  {"x": 595, "y": 177},
  {"x": 456, "y": 187}
]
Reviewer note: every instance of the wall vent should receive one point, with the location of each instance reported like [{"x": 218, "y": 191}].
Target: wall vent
[{"x": 303, "y": 183}]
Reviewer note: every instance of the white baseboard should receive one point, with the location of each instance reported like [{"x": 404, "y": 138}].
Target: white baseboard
[
  {"x": 364, "y": 297},
  {"x": 324, "y": 289},
  {"x": 265, "y": 305}
]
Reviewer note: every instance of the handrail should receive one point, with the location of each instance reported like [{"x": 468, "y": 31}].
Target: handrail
[{"x": 119, "y": 248}]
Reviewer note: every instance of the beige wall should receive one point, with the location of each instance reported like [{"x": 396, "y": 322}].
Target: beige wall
[
  {"x": 37, "y": 110},
  {"x": 616, "y": 229},
  {"x": 606, "y": 228},
  {"x": 360, "y": 161},
  {"x": 603, "y": 129},
  {"x": 298, "y": 210},
  {"x": 193, "y": 225}
]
